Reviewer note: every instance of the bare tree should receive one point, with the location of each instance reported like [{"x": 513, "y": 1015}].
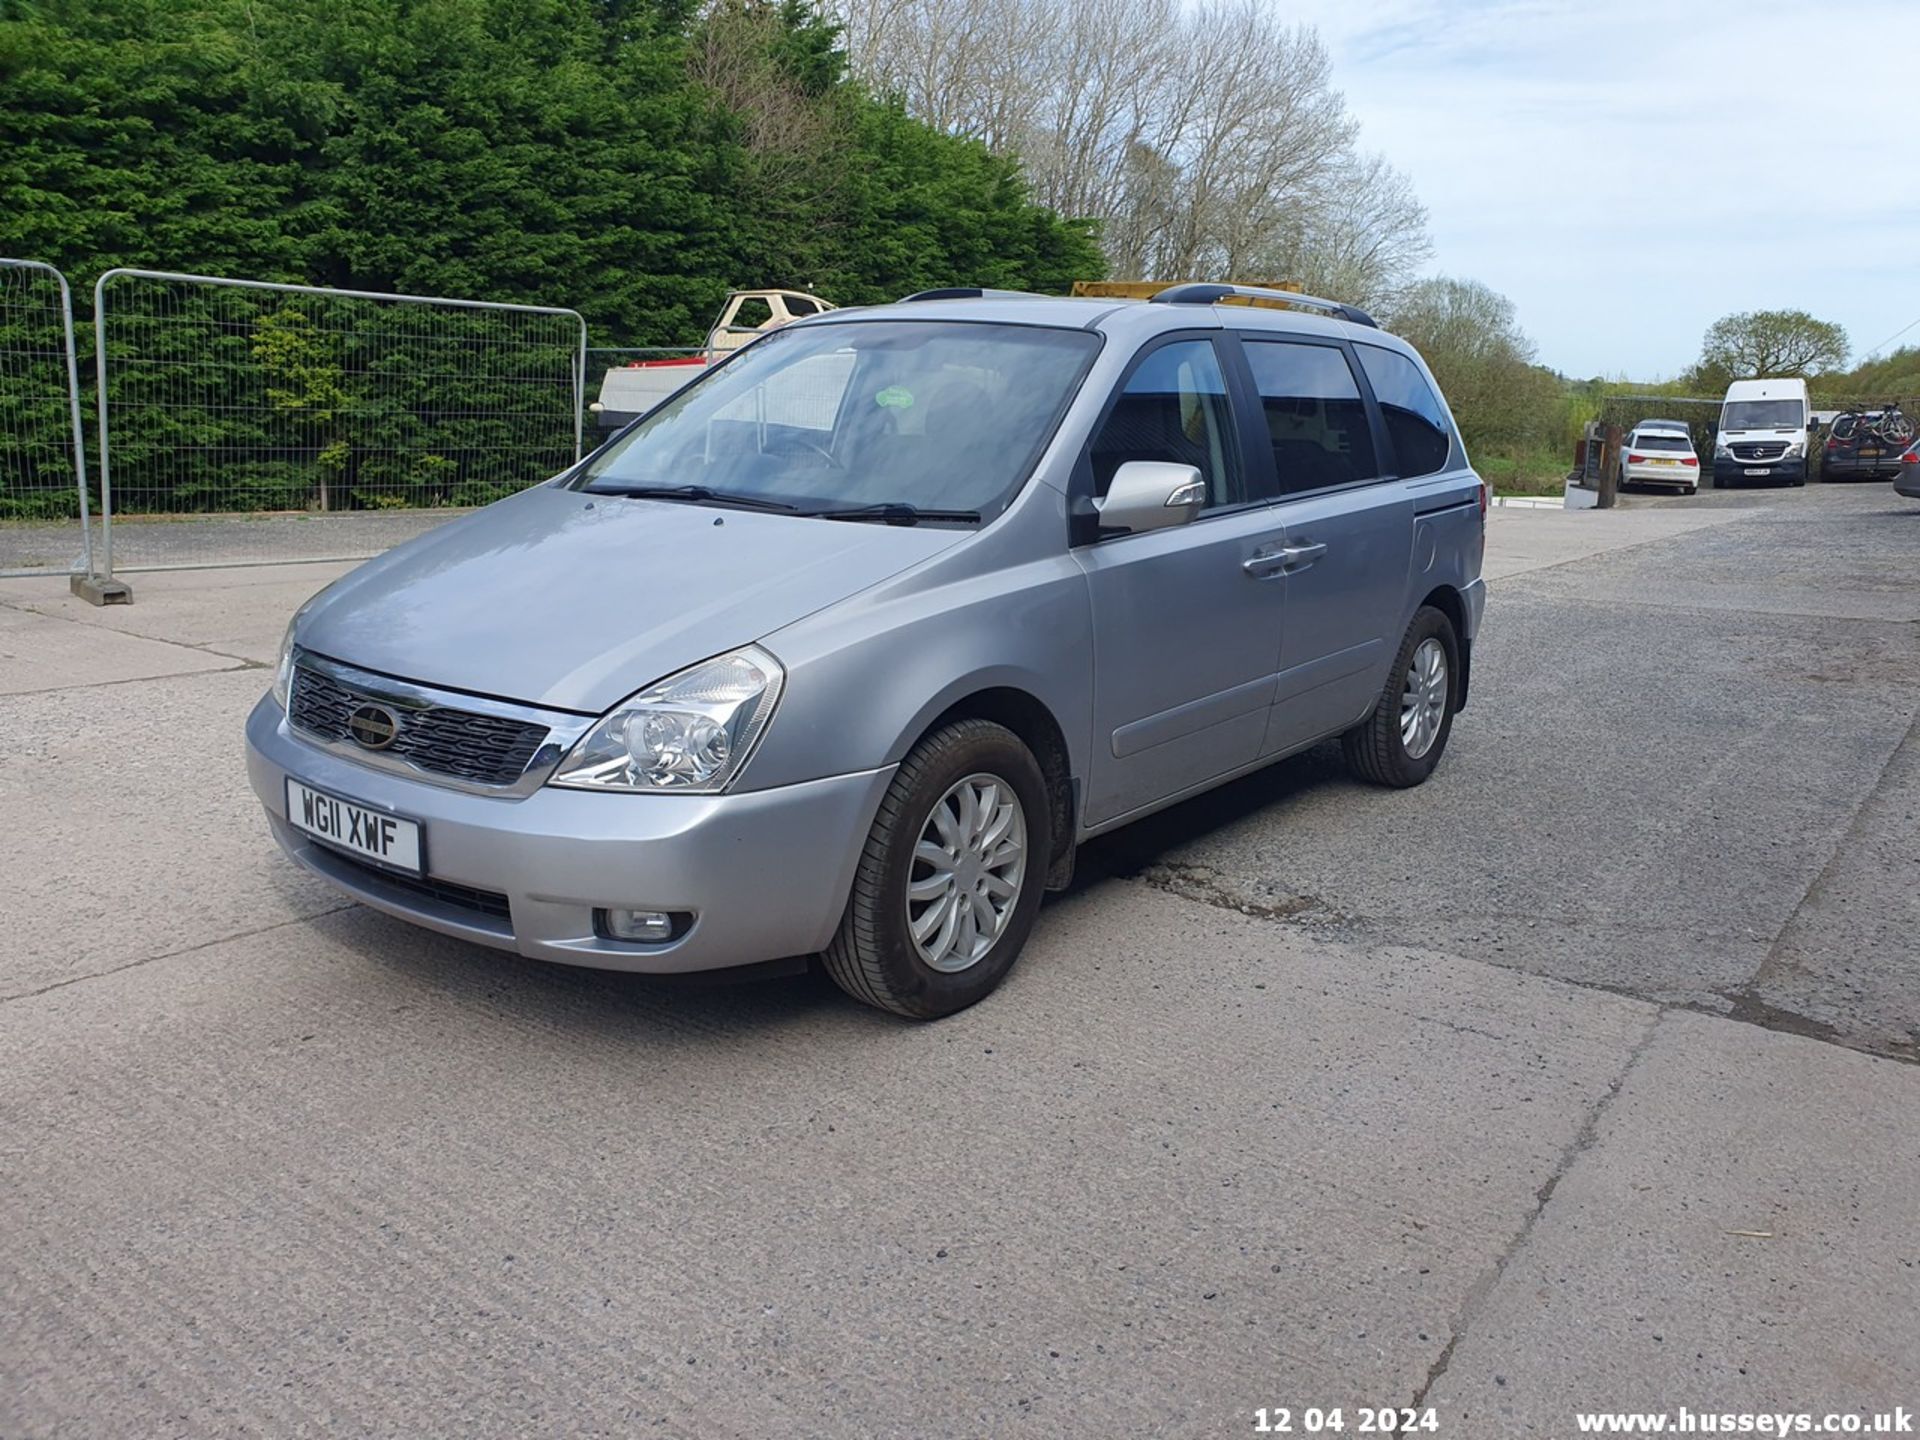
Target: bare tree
[
  {"x": 1207, "y": 139},
  {"x": 1362, "y": 238}
]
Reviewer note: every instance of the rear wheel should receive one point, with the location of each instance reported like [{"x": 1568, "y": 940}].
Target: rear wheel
[
  {"x": 950, "y": 880},
  {"x": 1402, "y": 740}
]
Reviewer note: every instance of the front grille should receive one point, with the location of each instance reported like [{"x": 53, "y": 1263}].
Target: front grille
[
  {"x": 459, "y": 897},
  {"x": 484, "y": 749},
  {"x": 1759, "y": 450}
]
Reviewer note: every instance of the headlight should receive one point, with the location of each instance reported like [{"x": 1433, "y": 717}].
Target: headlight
[
  {"x": 283, "y": 672},
  {"x": 1795, "y": 450},
  {"x": 1721, "y": 452},
  {"x": 691, "y": 733}
]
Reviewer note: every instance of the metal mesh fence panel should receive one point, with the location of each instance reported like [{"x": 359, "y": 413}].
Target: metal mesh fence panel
[
  {"x": 336, "y": 422},
  {"x": 43, "y": 499}
]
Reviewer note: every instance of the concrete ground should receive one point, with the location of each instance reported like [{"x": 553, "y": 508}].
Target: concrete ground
[
  {"x": 1580, "y": 1078},
  {"x": 143, "y": 542}
]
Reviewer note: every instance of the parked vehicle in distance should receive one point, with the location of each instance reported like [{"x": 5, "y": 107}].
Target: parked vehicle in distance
[
  {"x": 749, "y": 314},
  {"x": 1866, "y": 444},
  {"x": 848, "y": 646},
  {"x": 630, "y": 390},
  {"x": 1660, "y": 452},
  {"x": 1763, "y": 434},
  {"x": 1907, "y": 482}
]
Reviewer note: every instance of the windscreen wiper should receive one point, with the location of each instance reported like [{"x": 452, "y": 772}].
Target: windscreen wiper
[
  {"x": 897, "y": 512},
  {"x": 699, "y": 494}
]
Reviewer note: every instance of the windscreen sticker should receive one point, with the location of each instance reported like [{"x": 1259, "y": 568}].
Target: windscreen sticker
[{"x": 894, "y": 397}]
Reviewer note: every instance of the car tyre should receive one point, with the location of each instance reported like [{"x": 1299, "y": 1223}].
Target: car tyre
[
  {"x": 875, "y": 956},
  {"x": 1380, "y": 748}
]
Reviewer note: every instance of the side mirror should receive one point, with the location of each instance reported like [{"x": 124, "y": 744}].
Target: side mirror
[{"x": 1151, "y": 495}]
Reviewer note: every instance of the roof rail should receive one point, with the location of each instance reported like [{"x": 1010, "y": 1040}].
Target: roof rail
[
  {"x": 968, "y": 292},
  {"x": 1206, "y": 293}
]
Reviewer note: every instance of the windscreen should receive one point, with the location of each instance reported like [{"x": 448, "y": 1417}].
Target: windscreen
[
  {"x": 1763, "y": 415},
  {"x": 939, "y": 415},
  {"x": 1662, "y": 440}
]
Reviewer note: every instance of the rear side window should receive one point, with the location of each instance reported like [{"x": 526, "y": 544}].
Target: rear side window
[
  {"x": 1416, "y": 420},
  {"x": 1315, "y": 416},
  {"x": 797, "y": 307},
  {"x": 1174, "y": 408},
  {"x": 752, "y": 314},
  {"x": 1661, "y": 440}
]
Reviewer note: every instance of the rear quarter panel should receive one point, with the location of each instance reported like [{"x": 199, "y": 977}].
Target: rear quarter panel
[{"x": 1449, "y": 538}]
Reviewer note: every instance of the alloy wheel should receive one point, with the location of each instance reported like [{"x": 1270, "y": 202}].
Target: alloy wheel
[
  {"x": 1423, "y": 698},
  {"x": 968, "y": 868}
]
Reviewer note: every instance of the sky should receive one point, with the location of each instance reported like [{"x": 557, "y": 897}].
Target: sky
[{"x": 1626, "y": 173}]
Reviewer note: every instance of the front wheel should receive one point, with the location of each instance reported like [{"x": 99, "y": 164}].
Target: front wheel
[
  {"x": 950, "y": 879},
  {"x": 1402, "y": 740}
]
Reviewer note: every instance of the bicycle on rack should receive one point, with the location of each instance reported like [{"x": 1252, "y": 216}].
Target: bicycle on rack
[
  {"x": 1888, "y": 425},
  {"x": 1866, "y": 444}
]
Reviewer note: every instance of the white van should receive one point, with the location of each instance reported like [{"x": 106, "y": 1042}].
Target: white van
[{"x": 1763, "y": 433}]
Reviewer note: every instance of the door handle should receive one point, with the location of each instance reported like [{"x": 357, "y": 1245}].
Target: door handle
[
  {"x": 1299, "y": 557},
  {"x": 1282, "y": 559},
  {"x": 1265, "y": 564}
]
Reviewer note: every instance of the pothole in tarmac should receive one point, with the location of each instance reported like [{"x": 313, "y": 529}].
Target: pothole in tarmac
[
  {"x": 1213, "y": 887},
  {"x": 1745, "y": 1006}
]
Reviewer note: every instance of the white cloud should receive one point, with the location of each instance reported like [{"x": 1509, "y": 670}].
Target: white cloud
[{"x": 1628, "y": 173}]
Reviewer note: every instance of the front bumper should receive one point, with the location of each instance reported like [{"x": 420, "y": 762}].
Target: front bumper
[
  {"x": 765, "y": 873},
  {"x": 1739, "y": 472}
]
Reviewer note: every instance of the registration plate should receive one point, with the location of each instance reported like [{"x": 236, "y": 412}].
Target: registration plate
[
  {"x": 1868, "y": 452},
  {"x": 373, "y": 833},
  {"x": 1666, "y": 462},
  {"x": 1763, "y": 470}
]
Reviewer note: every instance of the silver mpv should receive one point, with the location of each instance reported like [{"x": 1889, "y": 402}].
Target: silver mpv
[{"x": 844, "y": 649}]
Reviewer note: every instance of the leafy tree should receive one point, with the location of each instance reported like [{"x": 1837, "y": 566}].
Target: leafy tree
[
  {"x": 1756, "y": 344},
  {"x": 1472, "y": 340},
  {"x": 1892, "y": 376},
  {"x": 304, "y": 379}
]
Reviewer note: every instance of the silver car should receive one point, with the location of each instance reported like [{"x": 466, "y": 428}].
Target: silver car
[{"x": 846, "y": 648}]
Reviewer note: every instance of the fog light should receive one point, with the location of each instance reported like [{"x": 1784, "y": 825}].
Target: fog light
[{"x": 650, "y": 925}]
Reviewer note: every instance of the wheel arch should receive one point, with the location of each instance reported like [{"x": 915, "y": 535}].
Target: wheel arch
[
  {"x": 1029, "y": 717},
  {"x": 1449, "y": 602}
]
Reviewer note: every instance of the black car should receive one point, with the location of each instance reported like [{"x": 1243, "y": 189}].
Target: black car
[{"x": 1865, "y": 445}]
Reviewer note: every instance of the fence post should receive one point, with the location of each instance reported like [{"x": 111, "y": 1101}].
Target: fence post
[
  {"x": 580, "y": 394},
  {"x": 99, "y": 587},
  {"x": 1609, "y": 477},
  {"x": 76, "y": 443}
]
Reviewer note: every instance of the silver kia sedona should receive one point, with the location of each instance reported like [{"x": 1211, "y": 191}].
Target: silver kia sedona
[{"x": 844, "y": 649}]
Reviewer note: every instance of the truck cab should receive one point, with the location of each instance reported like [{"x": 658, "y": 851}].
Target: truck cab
[
  {"x": 1764, "y": 433},
  {"x": 750, "y": 313}
]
